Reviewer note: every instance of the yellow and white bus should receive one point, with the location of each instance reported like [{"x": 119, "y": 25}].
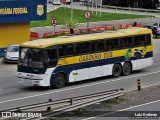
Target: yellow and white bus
[{"x": 65, "y": 59}]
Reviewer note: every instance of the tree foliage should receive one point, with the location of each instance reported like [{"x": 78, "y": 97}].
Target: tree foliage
[{"x": 148, "y": 4}]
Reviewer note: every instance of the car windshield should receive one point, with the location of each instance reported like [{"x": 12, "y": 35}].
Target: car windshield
[
  {"x": 31, "y": 57},
  {"x": 13, "y": 49}
]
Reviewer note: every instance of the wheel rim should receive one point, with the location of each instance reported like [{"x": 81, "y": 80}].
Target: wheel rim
[
  {"x": 117, "y": 70},
  {"x": 126, "y": 69},
  {"x": 60, "y": 81}
]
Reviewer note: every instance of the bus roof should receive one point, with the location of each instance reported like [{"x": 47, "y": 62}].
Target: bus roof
[{"x": 43, "y": 43}]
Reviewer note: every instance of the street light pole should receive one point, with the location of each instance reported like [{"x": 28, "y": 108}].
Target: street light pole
[
  {"x": 92, "y": 6},
  {"x": 100, "y": 8},
  {"x": 71, "y": 9},
  {"x": 88, "y": 19},
  {"x": 96, "y": 6}
]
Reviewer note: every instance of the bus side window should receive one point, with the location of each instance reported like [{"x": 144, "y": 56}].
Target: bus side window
[
  {"x": 101, "y": 45},
  {"x": 66, "y": 50},
  {"x": 108, "y": 45},
  {"x": 148, "y": 39},
  {"x": 82, "y": 48},
  {"x": 126, "y": 42},
  {"x": 130, "y": 42},
  {"x": 52, "y": 54},
  {"x": 122, "y": 42},
  {"x": 139, "y": 40},
  {"x": 61, "y": 50},
  {"x": 51, "y": 57},
  {"x": 112, "y": 44},
  {"x": 78, "y": 48},
  {"x": 69, "y": 49},
  {"x": 142, "y": 40},
  {"x": 86, "y": 48},
  {"x": 97, "y": 46}
]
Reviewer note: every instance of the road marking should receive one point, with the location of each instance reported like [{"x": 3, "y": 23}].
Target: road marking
[
  {"x": 122, "y": 110},
  {"x": 67, "y": 89}
]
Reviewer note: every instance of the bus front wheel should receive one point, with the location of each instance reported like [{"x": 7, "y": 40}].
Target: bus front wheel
[
  {"x": 59, "y": 81},
  {"x": 116, "y": 71},
  {"x": 126, "y": 70}
]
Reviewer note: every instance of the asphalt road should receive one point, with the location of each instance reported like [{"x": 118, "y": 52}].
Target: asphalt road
[
  {"x": 14, "y": 95},
  {"x": 137, "y": 112}
]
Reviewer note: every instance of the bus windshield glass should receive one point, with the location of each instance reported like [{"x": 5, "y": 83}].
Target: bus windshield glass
[{"x": 31, "y": 57}]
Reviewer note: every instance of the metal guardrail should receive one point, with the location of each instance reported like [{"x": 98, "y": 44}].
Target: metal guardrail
[
  {"x": 68, "y": 104},
  {"x": 131, "y": 9},
  {"x": 125, "y": 8}
]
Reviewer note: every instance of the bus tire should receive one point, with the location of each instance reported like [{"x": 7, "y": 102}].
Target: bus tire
[
  {"x": 59, "y": 81},
  {"x": 116, "y": 71},
  {"x": 126, "y": 70}
]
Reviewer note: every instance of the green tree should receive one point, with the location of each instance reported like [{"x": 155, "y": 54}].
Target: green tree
[{"x": 148, "y": 4}]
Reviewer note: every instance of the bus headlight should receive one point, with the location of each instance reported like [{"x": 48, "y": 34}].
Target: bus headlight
[{"x": 7, "y": 56}]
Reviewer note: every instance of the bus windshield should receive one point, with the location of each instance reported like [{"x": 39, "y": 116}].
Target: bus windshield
[{"x": 32, "y": 57}]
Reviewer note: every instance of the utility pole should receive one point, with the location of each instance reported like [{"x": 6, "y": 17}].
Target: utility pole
[
  {"x": 92, "y": 6},
  {"x": 100, "y": 8},
  {"x": 96, "y": 6},
  {"x": 88, "y": 19},
  {"x": 71, "y": 9}
]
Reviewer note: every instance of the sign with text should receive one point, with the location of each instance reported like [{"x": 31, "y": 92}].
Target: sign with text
[{"x": 12, "y": 11}]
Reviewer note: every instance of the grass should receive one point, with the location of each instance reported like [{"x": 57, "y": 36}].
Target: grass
[
  {"x": 63, "y": 14},
  {"x": 112, "y": 101},
  {"x": 54, "y": 35}
]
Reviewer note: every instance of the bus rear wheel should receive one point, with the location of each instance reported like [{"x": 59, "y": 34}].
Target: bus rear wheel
[
  {"x": 59, "y": 81},
  {"x": 126, "y": 70},
  {"x": 116, "y": 71}
]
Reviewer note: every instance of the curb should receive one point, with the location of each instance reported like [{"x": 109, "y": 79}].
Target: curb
[{"x": 94, "y": 22}]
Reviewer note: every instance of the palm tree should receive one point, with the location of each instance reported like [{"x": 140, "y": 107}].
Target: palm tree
[{"x": 71, "y": 24}]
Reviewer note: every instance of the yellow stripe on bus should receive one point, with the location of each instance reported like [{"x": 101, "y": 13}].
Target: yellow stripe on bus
[{"x": 99, "y": 56}]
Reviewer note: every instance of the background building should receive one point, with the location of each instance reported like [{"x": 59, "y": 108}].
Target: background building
[{"x": 15, "y": 17}]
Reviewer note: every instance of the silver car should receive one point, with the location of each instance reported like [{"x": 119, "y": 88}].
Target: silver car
[
  {"x": 50, "y": 1},
  {"x": 12, "y": 53},
  {"x": 55, "y": 2}
]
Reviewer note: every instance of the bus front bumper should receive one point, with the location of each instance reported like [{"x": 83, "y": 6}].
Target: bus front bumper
[{"x": 29, "y": 82}]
